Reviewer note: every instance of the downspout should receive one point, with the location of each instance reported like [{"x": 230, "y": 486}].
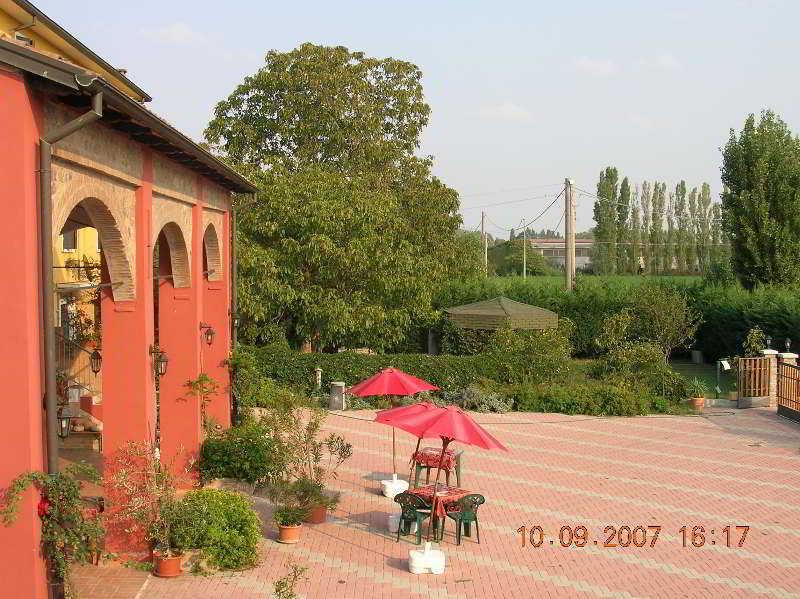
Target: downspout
[
  {"x": 234, "y": 280},
  {"x": 46, "y": 233}
]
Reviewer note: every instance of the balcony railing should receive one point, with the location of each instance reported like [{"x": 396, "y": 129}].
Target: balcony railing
[{"x": 73, "y": 361}]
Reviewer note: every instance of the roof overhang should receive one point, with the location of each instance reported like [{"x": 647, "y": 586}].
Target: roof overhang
[
  {"x": 56, "y": 35},
  {"x": 75, "y": 86}
]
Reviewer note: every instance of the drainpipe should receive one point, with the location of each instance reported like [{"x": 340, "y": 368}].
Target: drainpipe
[
  {"x": 234, "y": 278},
  {"x": 46, "y": 233}
]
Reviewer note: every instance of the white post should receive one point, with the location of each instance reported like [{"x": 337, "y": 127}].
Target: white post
[
  {"x": 485, "y": 243},
  {"x": 525, "y": 253}
]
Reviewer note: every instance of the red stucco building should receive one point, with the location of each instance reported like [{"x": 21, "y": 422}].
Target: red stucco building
[{"x": 79, "y": 148}]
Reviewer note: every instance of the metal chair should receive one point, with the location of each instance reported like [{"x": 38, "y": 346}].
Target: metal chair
[
  {"x": 467, "y": 514},
  {"x": 414, "y": 509},
  {"x": 418, "y": 470}
]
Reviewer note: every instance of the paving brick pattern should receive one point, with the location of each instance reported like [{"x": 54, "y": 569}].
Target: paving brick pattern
[{"x": 726, "y": 468}]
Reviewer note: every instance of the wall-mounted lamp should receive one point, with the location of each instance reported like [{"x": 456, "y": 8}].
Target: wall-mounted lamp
[
  {"x": 64, "y": 419},
  {"x": 160, "y": 360},
  {"x": 788, "y": 344},
  {"x": 95, "y": 361},
  {"x": 235, "y": 319},
  {"x": 209, "y": 332},
  {"x": 769, "y": 342}
]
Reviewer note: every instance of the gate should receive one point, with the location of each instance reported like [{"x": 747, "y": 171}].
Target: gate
[
  {"x": 789, "y": 390},
  {"x": 753, "y": 377}
]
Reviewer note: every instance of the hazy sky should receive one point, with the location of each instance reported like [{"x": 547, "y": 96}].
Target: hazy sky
[{"x": 523, "y": 94}]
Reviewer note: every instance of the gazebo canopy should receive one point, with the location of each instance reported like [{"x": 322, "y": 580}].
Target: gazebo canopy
[{"x": 501, "y": 312}]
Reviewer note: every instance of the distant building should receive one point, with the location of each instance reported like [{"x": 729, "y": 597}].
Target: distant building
[{"x": 553, "y": 250}]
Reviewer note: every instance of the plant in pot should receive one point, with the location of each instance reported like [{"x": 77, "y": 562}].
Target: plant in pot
[
  {"x": 71, "y": 531},
  {"x": 141, "y": 492},
  {"x": 697, "y": 390},
  {"x": 314, "y": 463},
  {"x": 289, "y": 519}
]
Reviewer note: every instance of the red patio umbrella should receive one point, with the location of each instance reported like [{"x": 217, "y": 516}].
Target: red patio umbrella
[
  {"x": 391, "y": 381},
  {"x": 452, "y": 424},
  {"x": 399, "y": 418}
]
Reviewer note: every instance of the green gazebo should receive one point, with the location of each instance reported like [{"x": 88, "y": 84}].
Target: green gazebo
[{"x": 502, "y": 312}]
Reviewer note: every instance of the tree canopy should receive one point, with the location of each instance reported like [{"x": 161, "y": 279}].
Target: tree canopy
[
  {"x": 761, "y": 201},
  {"x": 350, "y": 232}
]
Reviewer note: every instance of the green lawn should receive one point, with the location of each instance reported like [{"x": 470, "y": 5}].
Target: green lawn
[{"x": 707, "y": 373}]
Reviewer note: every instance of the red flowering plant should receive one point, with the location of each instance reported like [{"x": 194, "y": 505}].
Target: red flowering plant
[{"x": 69, "y": 534}]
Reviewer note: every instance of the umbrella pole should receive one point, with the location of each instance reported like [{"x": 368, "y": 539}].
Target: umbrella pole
[
  {"x": 445, "y": 443},
  {"x": 411, "y": 471},
  {"x": 394, "y": 453}
]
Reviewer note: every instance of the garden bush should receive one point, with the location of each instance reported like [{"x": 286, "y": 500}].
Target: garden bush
[
  {"x": 511, "y": 357},
  {"x": 222, "y": 525},
  {"x": 476, "y": 399},
  {"x": 246, "y": 452},
  {"x": 595, "y": 398}
]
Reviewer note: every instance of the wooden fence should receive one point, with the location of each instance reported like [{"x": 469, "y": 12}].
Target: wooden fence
[
  {"x": 753, "y": 377},
  {"x": 788, "y": 387}
]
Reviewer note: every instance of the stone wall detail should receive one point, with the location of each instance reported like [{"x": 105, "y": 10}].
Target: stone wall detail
[
  {"x": 110, "y": 205},
  {"x": 174, "y": 180},
  {"x": 174, "y": 218},
  {"x": 213, "y": 222}
]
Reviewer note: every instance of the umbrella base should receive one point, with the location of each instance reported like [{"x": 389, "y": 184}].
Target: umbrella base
[{"x": 393, "y": 487}]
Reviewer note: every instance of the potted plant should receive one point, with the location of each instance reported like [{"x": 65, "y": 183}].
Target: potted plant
[
  {"x": 141, "y": 490},
  {"x": 312, "y": 496},
  {"x": 697, "y": 392},
  {"x": 289, "y": 519},
  {"x": 70, "y": 530}
]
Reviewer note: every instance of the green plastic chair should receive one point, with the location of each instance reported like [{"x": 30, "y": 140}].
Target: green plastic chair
[
  {"x": 418, "y": 471},
  {"x": 414, "y": 509},
  {"x": 467, "y": 514}
]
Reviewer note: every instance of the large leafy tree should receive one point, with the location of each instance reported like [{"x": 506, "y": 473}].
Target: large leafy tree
[
  {"x": 321, "y": 105},
  {"x": 313, "y": 123},
  {"x": 761, "y": 201},
  {"x": 323, "y": 256}
]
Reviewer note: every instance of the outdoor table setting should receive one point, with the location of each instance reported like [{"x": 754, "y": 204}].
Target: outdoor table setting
[{"x": 445, "y": 499}]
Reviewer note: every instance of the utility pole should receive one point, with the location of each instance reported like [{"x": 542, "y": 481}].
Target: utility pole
[
  {"x": 525, "y": 253},
  {"x": 569, "y": 235},
  {"x": 485, "y": 243}
]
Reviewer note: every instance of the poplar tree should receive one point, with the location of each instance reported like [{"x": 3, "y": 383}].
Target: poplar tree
[
  {"x": 681, "y": 227},
  {"x": 761, "y": 202},
  {"x": 635, "y": 233},
  {"x": 669, "y": 244},
  {"x": 605, "y": 218},
  {"x": 623, "y": 233},
  {"x": 704, "y": 227},
  {"x": 658, "y": 201},
  {"x": 644, "y": 201}
]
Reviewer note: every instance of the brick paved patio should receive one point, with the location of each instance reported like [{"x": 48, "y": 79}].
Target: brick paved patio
[{"x": 727, "y": 468}]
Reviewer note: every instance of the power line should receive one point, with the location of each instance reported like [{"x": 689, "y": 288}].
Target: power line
[
  {"x": 544, "y": 197},
  {"x": 486, "y": 193},
  {"x": 530, "y": 222}
]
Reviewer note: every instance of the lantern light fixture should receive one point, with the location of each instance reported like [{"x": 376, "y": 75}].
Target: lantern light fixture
[
  {"x": 160, "y": 360},
  {"x": 96, "y": 361},
  {"x": 788, "y": 344},
  {"x": 209, "y": 332},
  {"x": 769, "y": 342},
  {"x": 64, "y": 418}
]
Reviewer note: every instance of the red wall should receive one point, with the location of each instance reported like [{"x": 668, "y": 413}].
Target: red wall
[{"x": 21, "y": 570}]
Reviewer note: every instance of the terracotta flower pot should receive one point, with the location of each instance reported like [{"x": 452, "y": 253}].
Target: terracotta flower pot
[
  {"x": 289, "y": 534},
  {"x": 167, "y": 567},
  {"x": 698, "y": 403},
  {"x": 317, "y": 514}
]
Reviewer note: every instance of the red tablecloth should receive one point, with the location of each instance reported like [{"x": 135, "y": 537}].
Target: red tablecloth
[
  {"x": 446, "y": 498},
  {"x": 429, "y": 456}
]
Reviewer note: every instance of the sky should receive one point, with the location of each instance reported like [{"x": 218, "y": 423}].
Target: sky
[{"x": 523, "y": 94}]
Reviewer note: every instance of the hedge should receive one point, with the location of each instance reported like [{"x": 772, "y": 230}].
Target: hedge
[
  {"x": 728, "y": 311},
  {"x": 536, "y": 356}
]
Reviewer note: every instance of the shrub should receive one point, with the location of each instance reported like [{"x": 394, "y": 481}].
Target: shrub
[
  {"x": 594, "y": 398},
  {"x": 222, "y": 525},
  {"x": 246, "y": 452},
  {"x": 479, "y": 400}
]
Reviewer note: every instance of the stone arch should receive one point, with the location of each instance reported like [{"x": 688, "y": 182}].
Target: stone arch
[
  {"x": 112, "y": 238},
  {"x": 213, "y": 253},
  {"x": 178, "y": 254}
]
